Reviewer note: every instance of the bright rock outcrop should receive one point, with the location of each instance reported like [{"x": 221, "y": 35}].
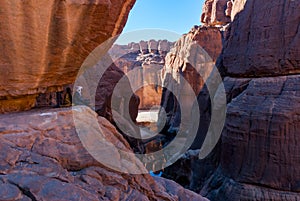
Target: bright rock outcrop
[{"x": 44, "y": 44}]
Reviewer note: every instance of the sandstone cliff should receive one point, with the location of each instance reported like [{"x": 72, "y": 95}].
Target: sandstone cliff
[
  {"x": 44, "y": 43},
  {"x": 263, "y": 40},
  {"x": 257, "y": 156},
  {"x": 191, "y": 56},
  {"x": 259, "y": 143},
  {"x": 215, "y": 12}
]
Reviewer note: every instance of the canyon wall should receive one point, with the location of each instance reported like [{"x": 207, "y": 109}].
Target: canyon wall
[
  {"x": 44, "y": 43},
  {"x": 192, "y": 58},
  {"x": 260, "y": 154},
  {"x": 191, "y": 55}
]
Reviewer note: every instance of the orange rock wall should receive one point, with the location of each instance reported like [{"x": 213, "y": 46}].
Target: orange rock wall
[{"x": 43, "y": 43}]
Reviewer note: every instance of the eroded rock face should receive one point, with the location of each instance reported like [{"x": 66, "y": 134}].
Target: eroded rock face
[
  {"x": 259, "y": 142},
  {"x": 42, "y": 158},
  {"x": 261, "y": 128},
  {"x": 44, "y": 43},
  {"x": 214, "y": 12},
  {"x": 193, "y": 58},
  {"x": 263, "y": 39},
  {"x": 259, "y": 150},
  {"x": 191, "y": 55}
]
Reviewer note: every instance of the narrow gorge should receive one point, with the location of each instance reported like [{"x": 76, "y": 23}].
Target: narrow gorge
[{"x": 242, "y": 63}]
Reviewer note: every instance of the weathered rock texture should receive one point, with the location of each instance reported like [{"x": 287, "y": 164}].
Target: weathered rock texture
[
  {"x": 191, "y": 55},
  {"x": 44, "y": 43},
  {"x": 263, "y": 39},
  {"x": 215, "y": 12},
  {"x": 259, "y": 142},
  {"x": 42, "y": 158},
  {"x": 146, "y": 58},
  {"x": 105, "y": 89},
  {"x": 259, "y": 148},
  {"x": 193, "y": 58},
  {"x": 259, "y": 151}
]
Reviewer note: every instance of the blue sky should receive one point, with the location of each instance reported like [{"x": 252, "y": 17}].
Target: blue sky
[{"x": 173, "y": 16}]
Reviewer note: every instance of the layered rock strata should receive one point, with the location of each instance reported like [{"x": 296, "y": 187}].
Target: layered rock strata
[{"x": 259, "y": 150}]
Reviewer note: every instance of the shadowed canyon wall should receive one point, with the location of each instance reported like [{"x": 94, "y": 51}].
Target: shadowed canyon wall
[
  {"x": 259, "y": 143},
  {"x": 258, "y": 154}
]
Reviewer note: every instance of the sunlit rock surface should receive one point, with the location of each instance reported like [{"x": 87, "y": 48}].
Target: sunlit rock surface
[
  {"x": 143, "y": 62},
  {"x": 43, "y": 43},
  {"x": 214, "y": 14},
  {"x": 42, "y": 158}
]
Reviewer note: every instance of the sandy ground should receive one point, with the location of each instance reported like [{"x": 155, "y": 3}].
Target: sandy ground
[{"x": 147, "y": 116}]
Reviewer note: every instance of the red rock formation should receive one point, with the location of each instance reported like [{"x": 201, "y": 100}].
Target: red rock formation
[
  {"x": 258, "y": 45},
  {"x": 260, "y": 154},
  {"x": 214, "y": 13},
  {"x": 153, "y": 46},
  {"x": 42, "y": 158},
  {"x": 44, "y": 44},
  {"x": 184, "y": 59},
  {"x": 164, "y": 47},
  {"x": 144, "y": 47}
]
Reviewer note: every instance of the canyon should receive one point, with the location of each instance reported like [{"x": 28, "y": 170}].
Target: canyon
[
  {"x": 42, "y": 158},
  {"x": 147, "y": 59},
  {"x": 253, "y": 45}
]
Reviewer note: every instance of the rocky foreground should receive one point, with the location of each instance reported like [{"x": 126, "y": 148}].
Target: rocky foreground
[{"x": 42, "y": 158}]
